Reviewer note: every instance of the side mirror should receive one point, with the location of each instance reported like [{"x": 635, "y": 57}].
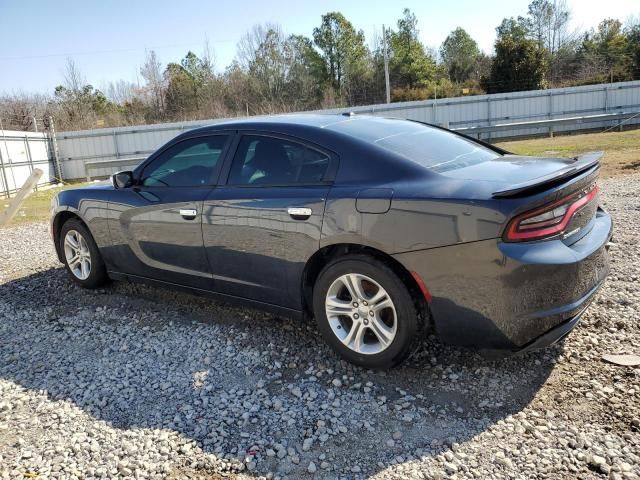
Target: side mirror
[{"x": 122, "y": 179}]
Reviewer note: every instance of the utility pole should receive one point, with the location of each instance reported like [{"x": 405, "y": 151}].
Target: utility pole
[
  {"x": 435, "y": 106},
  {"x": 386, "y": 63}
]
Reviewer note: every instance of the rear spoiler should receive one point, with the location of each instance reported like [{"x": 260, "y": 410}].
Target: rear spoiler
[{"x": 580, "y": 164}]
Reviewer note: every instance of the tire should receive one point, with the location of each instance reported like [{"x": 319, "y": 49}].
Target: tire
[
  {"x": 96, "y": 274},
  {"x": 370, "y": 345}
]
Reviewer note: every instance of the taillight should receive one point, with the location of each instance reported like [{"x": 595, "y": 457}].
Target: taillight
[{"x": 549, "y": 220}]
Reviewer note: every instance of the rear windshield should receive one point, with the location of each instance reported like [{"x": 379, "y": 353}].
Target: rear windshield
[{"x": 435, "y": 149}]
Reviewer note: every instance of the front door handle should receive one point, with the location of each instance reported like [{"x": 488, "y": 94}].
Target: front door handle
[
  {"x": 188, "y": 213},
  {"x": 299, "y": 213}
]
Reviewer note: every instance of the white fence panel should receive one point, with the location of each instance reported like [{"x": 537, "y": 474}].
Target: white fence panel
[{"x": 20, "y": 154}]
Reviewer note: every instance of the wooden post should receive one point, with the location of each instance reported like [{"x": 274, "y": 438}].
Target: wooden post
[
  {"x": 54, "y": 146},
  {"x": 29, "y": 157},
  {"x": 115, "y": 143},
  {"x": 488, "y": 118},
  {"x": 23, "y": 193}
]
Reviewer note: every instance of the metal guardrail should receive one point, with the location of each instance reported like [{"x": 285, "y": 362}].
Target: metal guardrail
[
  {"x": 548, "y": 124},
  {"x": 116, "y": 162},
  {"x": 574, "y": 113},
  {"x": 474, "y": 99}
]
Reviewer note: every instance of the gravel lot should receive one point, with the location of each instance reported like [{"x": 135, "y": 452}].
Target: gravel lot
[{"x": 137, "y": 382}]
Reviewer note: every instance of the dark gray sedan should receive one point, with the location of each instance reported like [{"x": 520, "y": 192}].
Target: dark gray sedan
[{"x": 383, "y": 230}]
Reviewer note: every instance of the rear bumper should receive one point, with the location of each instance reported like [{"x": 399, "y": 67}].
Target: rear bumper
[
  {"x": 562, "y": 330},
  {"x": 513, "y": 296},
  {"x": 552, "y": 336}
]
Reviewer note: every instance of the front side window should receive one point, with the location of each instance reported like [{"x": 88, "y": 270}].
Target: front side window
[
  {"x": 190, "y": 163},
  {"x": 261, "y": 160}
]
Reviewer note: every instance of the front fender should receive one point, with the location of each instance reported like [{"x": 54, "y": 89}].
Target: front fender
[
  {"x": 59, "y": 215},
  {"x": 92, "y": 209}
]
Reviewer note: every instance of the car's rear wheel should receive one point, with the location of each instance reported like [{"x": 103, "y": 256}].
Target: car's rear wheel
[
  {"x": 365, "y": 312},
  {"x": 81, "y": 255}
]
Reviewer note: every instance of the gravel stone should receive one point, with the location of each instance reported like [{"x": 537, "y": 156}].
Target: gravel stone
[{"x": 306, "y": 445}]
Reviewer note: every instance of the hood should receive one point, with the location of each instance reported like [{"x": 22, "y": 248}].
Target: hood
[{"x": 101, "y": 185}]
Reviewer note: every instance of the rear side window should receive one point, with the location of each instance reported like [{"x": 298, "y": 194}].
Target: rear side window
[
  {"x": 435, "y": 149},
  {"x": 262, "y": 160},
  {"x": 190, "y": 163}
]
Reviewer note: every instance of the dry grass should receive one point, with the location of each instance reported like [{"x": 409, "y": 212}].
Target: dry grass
[
  {"x": 36, "y": 208},
  {"x": 621, "y": 149}
]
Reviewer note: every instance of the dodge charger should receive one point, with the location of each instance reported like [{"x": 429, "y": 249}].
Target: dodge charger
[{"x": 382, "y": 230}]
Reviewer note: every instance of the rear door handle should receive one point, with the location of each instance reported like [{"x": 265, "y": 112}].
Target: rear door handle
[
  {"x": 299, "y": 213},
  {"x": 188, "y": 213}
]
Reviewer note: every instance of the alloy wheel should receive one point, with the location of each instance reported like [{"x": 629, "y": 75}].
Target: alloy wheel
[
  {"x": 361, "y": 313},
  {"x": 77, "y": 254}
]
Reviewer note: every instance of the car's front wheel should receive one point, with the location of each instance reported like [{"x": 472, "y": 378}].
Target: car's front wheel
[
  {"x": 81, "y": 255},
  {"x": 365, "y": 312}
]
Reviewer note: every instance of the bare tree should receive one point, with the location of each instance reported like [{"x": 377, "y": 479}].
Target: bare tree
[
  {"x": 155, "y": 87},
  {"x": 559, "y": 25},
  {"x": 74, "y": 80},
  {"x": 547, "y": 22},
  {"x": 120, "y": 91},
  {"x": 19, "y": 111},
  {"x": 212, "y": 102},
  {"x": 252, "y": 41},
  {"x": 74, "y": 97},
  {"x": 208, "y": 57},
  {"x": 264, "y": 53}
]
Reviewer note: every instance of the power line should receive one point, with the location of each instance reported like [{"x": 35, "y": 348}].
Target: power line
[{"x": 100, "y": 52}]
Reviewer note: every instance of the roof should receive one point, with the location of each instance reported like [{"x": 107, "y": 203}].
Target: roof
[{"x": 343, "y": 123}]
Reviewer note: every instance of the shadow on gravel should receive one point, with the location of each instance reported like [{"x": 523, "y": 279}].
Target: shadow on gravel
[{"x": 231, "y": 379}]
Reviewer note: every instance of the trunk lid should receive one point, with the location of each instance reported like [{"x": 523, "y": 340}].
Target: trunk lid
[
  {"x": 561, "y": 194},
  {"x": 517, "y": 175}
]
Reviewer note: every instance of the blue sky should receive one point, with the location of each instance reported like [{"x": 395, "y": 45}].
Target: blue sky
[{"x": 107, "y": 39}]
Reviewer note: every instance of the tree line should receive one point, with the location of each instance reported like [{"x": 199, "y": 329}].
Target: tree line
[{"x": 275, "y": 72}]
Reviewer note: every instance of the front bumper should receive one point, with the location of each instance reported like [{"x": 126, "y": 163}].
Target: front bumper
[{"x": 512, "y": 297}]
